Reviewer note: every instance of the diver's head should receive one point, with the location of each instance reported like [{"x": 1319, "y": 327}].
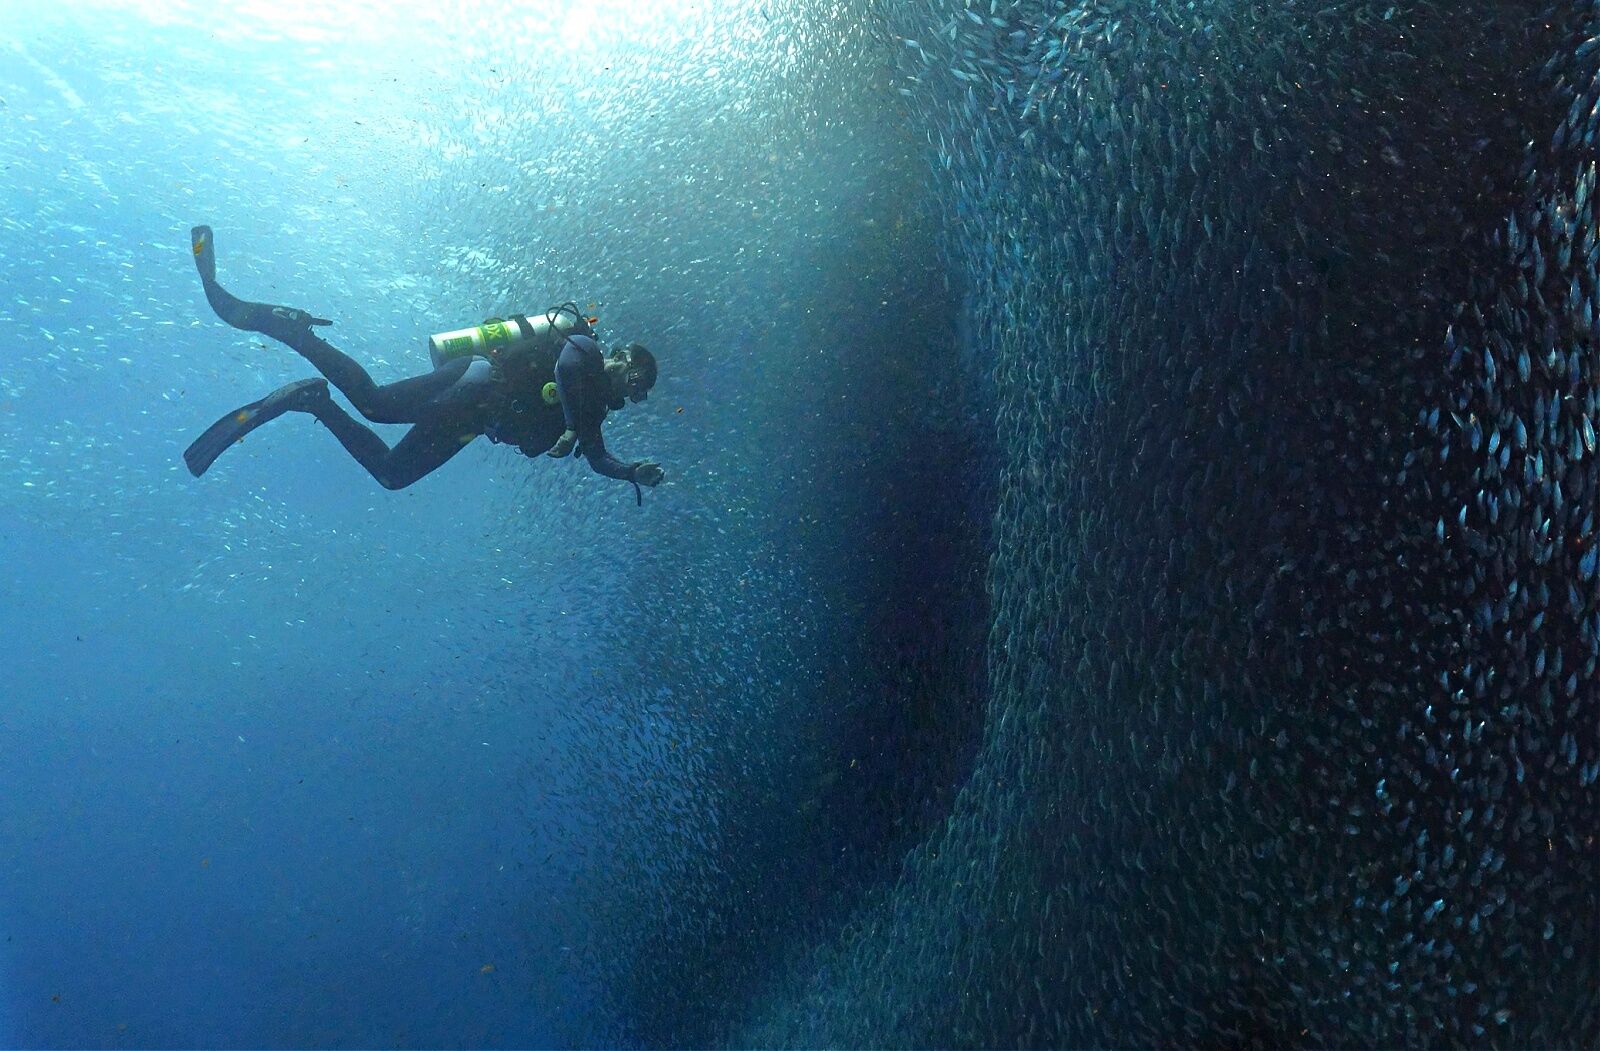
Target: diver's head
[{"x": 635, "y": 370}]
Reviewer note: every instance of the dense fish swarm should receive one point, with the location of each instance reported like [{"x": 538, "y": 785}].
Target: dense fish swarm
[{"x": 1292, "y": 733}]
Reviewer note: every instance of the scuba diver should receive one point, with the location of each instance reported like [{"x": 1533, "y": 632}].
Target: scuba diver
[{"x": 542, "y": 384}]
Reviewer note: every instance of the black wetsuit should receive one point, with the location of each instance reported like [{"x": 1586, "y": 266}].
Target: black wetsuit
[
  {"x": 455, "y": 403},
  {"x": 447, "y": 407},
  {"x": 585, "y": 399}
]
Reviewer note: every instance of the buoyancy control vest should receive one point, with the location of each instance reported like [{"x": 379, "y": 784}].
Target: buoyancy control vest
[{"x": 523, "y": 351}]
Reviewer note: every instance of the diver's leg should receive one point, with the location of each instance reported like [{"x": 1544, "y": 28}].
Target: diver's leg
[
  {"x": 448, "y": 422},
  {"x": 425, "y": 447},
  {"x": 411, "y": 400},
  {"x": 453, "y": 419},
  {"x": 465, "y": 385},
  {"x": 404, "y": 401}
]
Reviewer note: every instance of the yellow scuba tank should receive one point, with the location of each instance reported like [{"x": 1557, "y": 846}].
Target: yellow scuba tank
[{"x": 515, "y": 337}]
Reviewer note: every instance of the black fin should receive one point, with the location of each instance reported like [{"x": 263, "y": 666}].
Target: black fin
[
  {"x": 241, "y": 421},
  {"x": 205, "y": 255},
  {"x": 284, "y": 324}
]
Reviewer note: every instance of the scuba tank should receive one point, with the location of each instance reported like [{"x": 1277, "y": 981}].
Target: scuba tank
[{"x": 519, "y": 339}]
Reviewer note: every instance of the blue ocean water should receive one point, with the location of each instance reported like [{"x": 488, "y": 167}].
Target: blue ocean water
[{"x": 1124, "y": 575}]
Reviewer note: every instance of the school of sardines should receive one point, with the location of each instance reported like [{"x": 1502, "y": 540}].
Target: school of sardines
[{"x": 1293, "y": 733}]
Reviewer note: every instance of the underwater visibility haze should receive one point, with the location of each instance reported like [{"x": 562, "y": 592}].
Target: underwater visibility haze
[{"x": 1125, "y": 573}]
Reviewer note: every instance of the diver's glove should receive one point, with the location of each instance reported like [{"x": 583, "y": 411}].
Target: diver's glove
[
  {"x": 563, "y": 445},
  {"x": 644, "y": 473}
]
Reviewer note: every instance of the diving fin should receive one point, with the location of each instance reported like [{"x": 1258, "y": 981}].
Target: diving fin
[
  {"x": 301, "y": 394},
  {"x": 205, "y": 255},
  {"x": 284, "y": 324}
]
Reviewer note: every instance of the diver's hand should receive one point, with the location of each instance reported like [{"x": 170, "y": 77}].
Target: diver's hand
[
  {"x": 563, "y": 445},
  {"x": 647, "y": 473}
]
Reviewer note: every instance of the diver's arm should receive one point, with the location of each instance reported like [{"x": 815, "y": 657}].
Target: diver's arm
[
  {"x": 640, "y": 472},
  {"x": 593, "y": 448}
]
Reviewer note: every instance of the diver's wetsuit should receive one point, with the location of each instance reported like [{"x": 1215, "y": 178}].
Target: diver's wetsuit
[
  {"x": 585, "y": 399},
  {"x": 448, "y": 407}
]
